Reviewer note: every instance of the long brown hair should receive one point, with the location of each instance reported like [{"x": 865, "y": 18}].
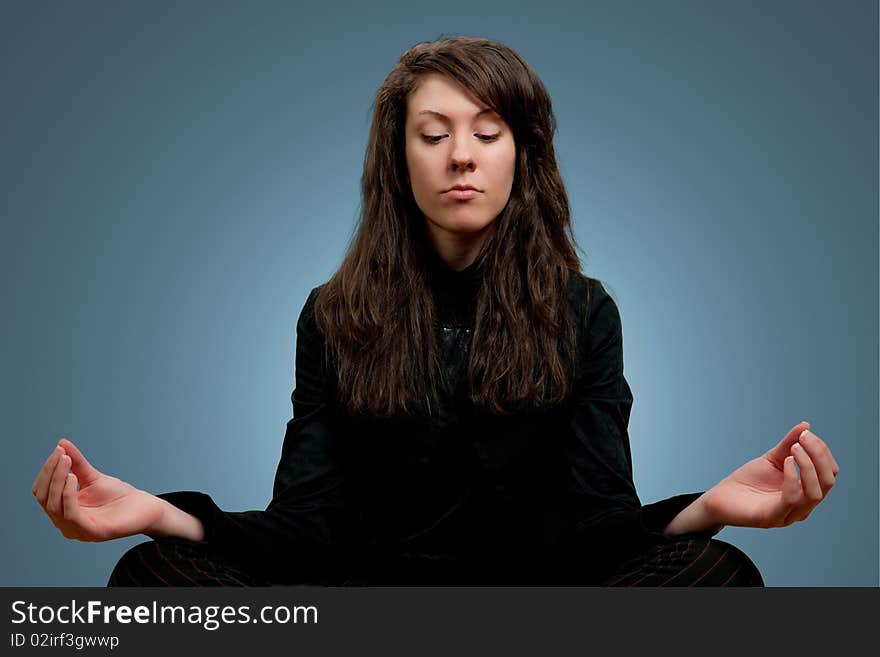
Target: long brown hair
[{"x": 377, "y": 312}]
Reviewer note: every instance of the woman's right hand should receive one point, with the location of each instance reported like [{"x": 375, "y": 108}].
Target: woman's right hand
[{"x": 103, "y": 508}]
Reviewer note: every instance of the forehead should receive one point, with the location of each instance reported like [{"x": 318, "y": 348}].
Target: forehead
[{"x": 438, "y": 94}]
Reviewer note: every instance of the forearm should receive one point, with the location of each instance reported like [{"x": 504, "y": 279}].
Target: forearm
[
  {"x": 693, "y": 518},
  {"x": 176, "y": 523}
]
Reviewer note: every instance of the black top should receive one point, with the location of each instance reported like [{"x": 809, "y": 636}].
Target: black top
[{"x": 460, "y": 497}]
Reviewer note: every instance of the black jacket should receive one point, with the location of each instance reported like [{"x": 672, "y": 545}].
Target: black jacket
[{"x": 460, "y": 497}]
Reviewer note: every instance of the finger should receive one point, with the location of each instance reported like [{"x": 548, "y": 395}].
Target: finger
[
  {"x": 783, "y": 449},
  {"x": 70, "y": 504},
  {"x": 792, "y": 492},
  {"x": 44, "y": 478},
  {"x": 84, "y": 470},
  {"x": 53, "y": 500},
  {"x": 809, "y": 477},
  {"x": 835, "y": 468},
  {"x": 798, "y": 505},
  {"x": 821, "y": 458}
]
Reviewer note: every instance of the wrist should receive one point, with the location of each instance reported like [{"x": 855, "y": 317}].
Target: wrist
[
  {"x": 173, "y": 522},
  {"x": 708, "y": 518},
  {"x": 696, "y": 517}
]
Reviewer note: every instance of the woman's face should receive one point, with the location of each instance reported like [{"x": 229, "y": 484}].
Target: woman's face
[{"x": 451, "y": 140}]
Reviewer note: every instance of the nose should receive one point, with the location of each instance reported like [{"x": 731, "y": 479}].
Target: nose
[{"x": 461, "y": 156}]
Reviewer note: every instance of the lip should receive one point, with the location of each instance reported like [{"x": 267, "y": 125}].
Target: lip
[{"x": 462, "y": 192}]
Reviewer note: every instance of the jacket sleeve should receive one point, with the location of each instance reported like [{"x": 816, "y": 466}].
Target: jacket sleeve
[
  {"x": 304, "y": 520},
  {"x": 608, "y": 515}
]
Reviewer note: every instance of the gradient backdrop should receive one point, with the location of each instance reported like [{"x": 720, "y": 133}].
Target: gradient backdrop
[{"x": 177, "y": 176}]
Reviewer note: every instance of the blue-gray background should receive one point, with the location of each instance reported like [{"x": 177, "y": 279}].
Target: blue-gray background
[{"x": 177, "y": 176}]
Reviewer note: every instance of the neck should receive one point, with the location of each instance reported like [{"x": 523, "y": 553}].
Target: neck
[{"x": 455, "y": 250}]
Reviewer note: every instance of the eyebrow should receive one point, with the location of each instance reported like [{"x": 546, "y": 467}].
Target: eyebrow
[{"x": 443, "y": 116}]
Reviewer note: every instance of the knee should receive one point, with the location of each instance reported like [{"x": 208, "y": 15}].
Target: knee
[
  {"x": 133, "y": 567},
  {"x": 742, "y": 570}
]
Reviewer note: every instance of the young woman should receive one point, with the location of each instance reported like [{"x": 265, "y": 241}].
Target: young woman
[{"x": 460, "y": 411}]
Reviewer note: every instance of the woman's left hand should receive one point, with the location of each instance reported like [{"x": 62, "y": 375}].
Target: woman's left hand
[{"x": 766, "y": 491}]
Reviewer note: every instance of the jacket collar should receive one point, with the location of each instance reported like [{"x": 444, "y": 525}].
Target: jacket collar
[{"x": 455, "y": 292}]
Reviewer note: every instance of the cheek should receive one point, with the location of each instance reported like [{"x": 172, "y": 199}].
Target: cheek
[
  {"x": 503, "y": 161},
  {"x": 419, "y": 173},
  {"x": 503, "y": 168}
]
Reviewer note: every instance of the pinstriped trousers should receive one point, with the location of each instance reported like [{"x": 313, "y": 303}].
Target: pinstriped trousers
[
  {"x": 690, "y": 560},
  {"x": 179, "y": 562}
]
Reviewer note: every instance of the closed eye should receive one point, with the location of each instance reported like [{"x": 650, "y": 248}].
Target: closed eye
[{"x": 435, "y": 139}]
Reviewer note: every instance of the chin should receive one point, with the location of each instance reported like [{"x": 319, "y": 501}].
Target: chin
[{"x": 464, "y": 224}]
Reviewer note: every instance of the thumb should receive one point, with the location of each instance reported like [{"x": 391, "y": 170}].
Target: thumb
[
  {"x": 70, "y": 503},
  {"x": 791, "y": 485},
  {"x": 80, "y": 466},
  {"x": 783, "y": 450}
]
